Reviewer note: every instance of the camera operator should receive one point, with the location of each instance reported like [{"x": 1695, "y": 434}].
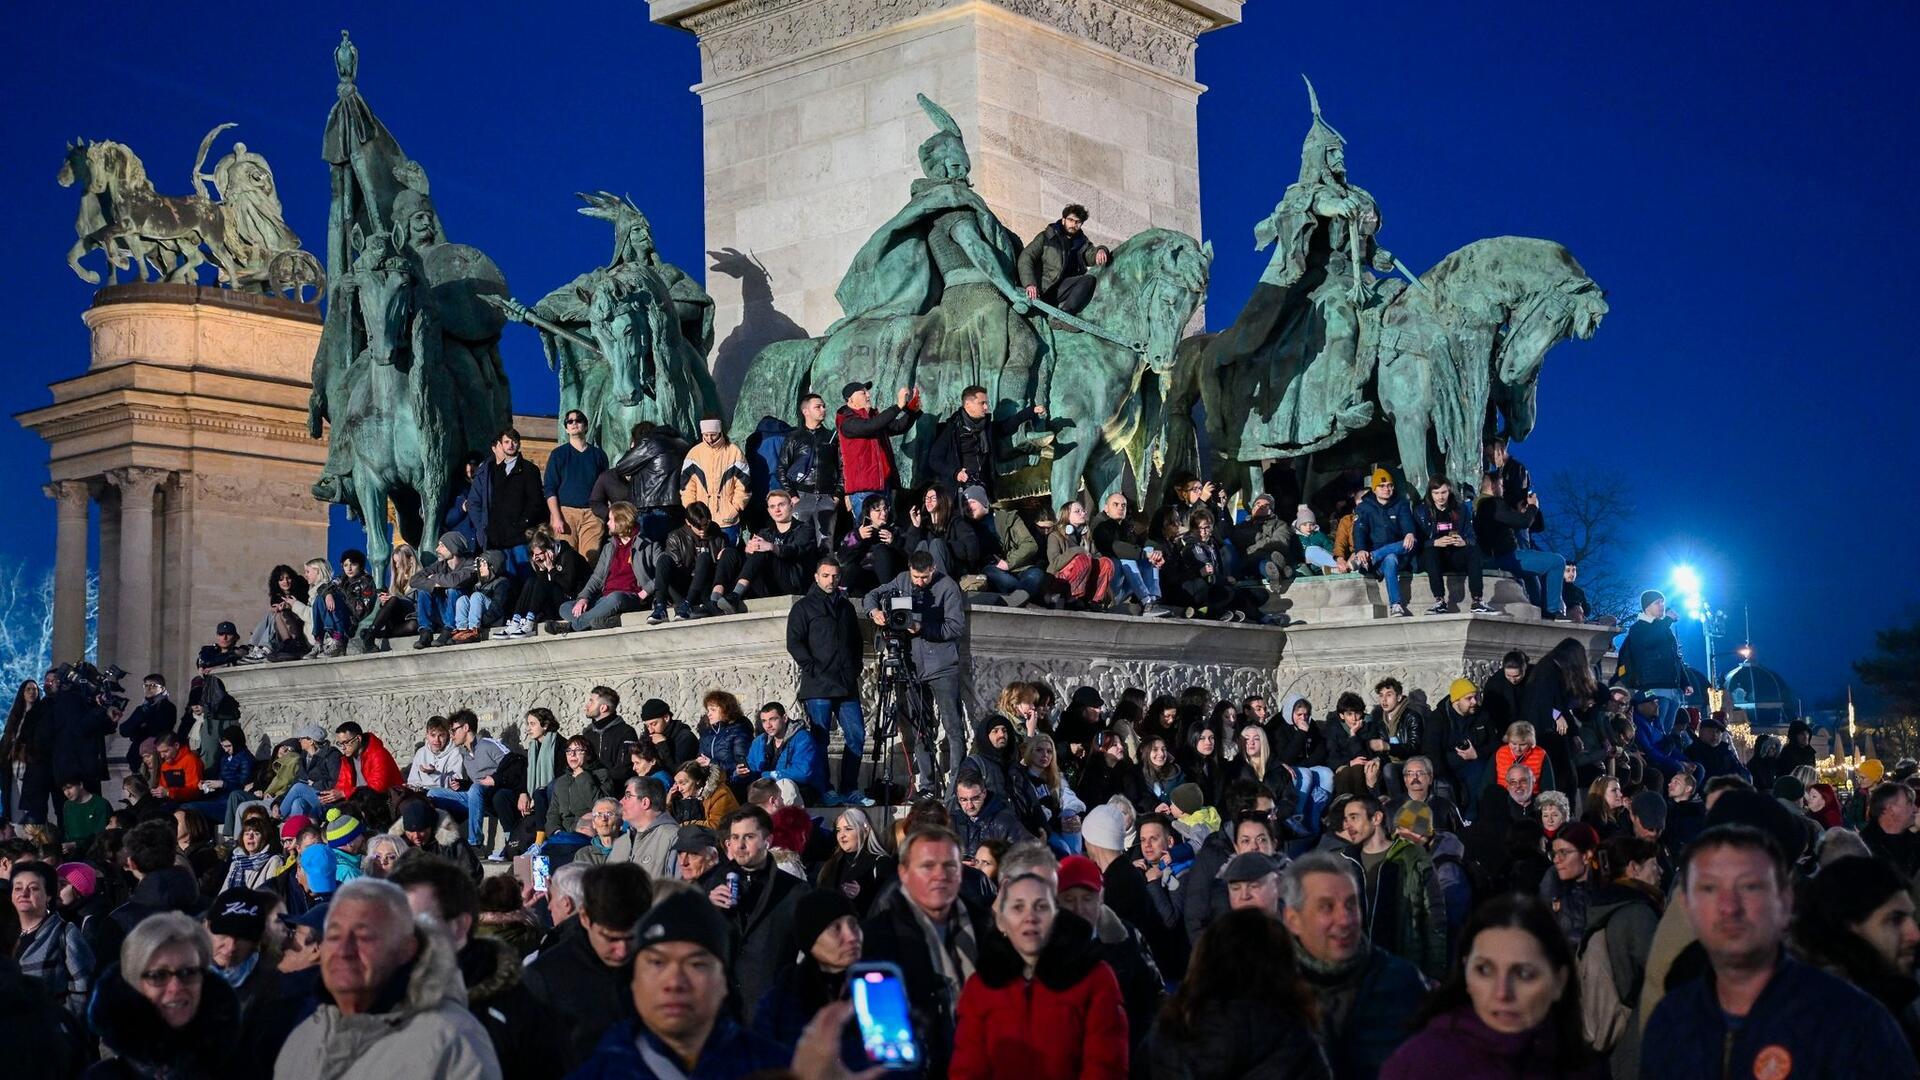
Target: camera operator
[
  {"x": 927, "y": 607},
  {"x": 77, "y": 726}
]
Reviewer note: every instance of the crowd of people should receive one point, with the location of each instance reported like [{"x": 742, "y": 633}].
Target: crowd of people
[
  {"x": 1551, "y": 874},
  {"x": 683, "y": 530}
]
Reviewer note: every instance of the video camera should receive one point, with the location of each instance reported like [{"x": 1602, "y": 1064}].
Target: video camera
[{"x": 101, "y": 687}]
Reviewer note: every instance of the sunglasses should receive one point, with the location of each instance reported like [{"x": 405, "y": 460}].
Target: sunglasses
[{"x": 159, "y": 977}]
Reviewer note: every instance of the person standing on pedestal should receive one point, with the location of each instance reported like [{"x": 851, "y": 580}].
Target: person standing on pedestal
[
  {"x": 516, "y": 502},
  {"x": 809, "y": 467},
  {"x": 572, "y": 469}
]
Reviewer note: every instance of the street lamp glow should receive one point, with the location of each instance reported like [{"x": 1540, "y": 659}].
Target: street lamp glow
[{"x": 1687, "y": 580}]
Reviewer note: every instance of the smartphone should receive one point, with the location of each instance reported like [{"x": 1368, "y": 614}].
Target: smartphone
[
  {"x": 880, "y": 1008},
  {"x": 542, "y": 868}
]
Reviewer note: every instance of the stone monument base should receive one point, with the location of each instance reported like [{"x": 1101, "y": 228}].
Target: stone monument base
[{"x": 394, "y": 693}]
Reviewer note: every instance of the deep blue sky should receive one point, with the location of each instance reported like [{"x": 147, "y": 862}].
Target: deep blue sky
[{"x": 1739, "y": 179}]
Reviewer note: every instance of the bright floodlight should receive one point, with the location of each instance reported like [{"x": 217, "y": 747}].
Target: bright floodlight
[{"x": 1687, "y": 580}]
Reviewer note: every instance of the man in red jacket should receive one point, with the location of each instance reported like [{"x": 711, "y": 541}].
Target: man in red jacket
[
  {"x": 866, "y": 456},
  {"x": 364, "y": 762},
  {"x": 180, "y": 769}
]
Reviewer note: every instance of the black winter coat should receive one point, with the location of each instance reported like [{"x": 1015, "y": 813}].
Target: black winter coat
[
  {"x": 76, "y": 731},
  {"x": 809, "y": 461},
  {"x": 30, "y": 1017},
  {"x": 1295, "y": 747},
  {"x": 824, "y": 642},
  {"x": 526, "y": 1036},
  {"x": 584, "y": 996},
  {"x": 144, "y": 1045},
  {"x": 1243, "y": 1039},
  {"x": 652, "y": 469},
  {"x": 517, "y": 503},
  {"x": 893, "y": 934}
]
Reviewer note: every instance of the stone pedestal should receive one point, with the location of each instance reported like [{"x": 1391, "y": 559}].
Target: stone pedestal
[
  {"x": 810, "y": 130},
  {"x": 189, "y": 428}
]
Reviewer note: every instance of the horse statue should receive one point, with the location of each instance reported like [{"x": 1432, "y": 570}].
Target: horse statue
[
  {"x": 1102, "y": 388},
  {"x": 401, "y": 429},
  {"x": 1442, "y": 363},
  {"x": 159, "y": 236}
]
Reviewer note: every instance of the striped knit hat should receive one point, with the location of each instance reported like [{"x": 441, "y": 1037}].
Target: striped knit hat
[{"x": 342, "y": 828}]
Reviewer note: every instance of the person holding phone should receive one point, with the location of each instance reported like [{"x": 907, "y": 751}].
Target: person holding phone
[{"x": 826, "y": 943}]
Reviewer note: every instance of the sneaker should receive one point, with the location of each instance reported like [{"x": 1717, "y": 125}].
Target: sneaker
[
  {"x": 856, "y": 798},
  {"x": 426, "y": 640},
  {"x": 832, "y": 798},
  {"x": 683, "y": 611},
  {"x": 334, "y": 647},
  {"x": 1275, "y": 619},
  {"x": 659, "y": 615},
  {"x": 731, "y": 603},
  {"x": 1018, "y": 598},
  {"x": 1155, "y": 611},
  {"x": 1229, "y": 617},
  {"x": 1440, "y": 607},
  {"x": 559, "y": 626},
  {"x": 1399, "y": 611},
  {"x": 1480, "y": 608},
  {"x": 501, "y": 633},
  {"x": 705, "y": 611},
  {"x": 498, "y": 856},
  {"x": 444, "y": 639},
  {"x": 313, "y": 653}
]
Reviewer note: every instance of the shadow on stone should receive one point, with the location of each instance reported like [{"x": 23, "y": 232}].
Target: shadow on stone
[{"x": 761, "y": 324}]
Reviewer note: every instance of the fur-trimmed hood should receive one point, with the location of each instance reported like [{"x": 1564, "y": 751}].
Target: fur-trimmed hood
[
  {"x": 488, "y": 968},
  {"x": 132, "y": 1028},
  {"x": 1068, "y": 955}
]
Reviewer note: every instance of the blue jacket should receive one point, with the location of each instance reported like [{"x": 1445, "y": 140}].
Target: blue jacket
[
  {"x": 1648, "y": 741},
  {"x": 762, "y": 449},
  {"x": 799, "y": 759},
  {"x": 1806, "y": 1024},
  {"x": 726, "y": 746},
  {"x": 731, "y": 1051},
  {"x": 236, "y": 769},
  {"x": 1376, "y": 526}
]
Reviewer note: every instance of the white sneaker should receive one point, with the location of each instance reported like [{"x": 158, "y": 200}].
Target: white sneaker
[{"x": 522, "y": 626}]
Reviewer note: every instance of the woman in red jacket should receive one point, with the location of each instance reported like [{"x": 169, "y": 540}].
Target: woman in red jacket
[{"x": 1040, "y": 1003}]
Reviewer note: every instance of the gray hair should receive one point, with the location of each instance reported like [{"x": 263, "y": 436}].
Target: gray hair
[
  {"x": 1555, "y": 798},
  {"x": 156, "y": 932},
  {"x": 608, "y": 800},
  {"x": 1293, "y": 879},
  {"x": 869, "y": 840},
  {"x": 1423, "y": 760},
  {"x": 567, "y": 881},
  {"x": 392, "y": 840},
  {"x": 1030, "y": 858},
  {"x": 1836, "y": 844},
  {"x": 380, "y": 893}
]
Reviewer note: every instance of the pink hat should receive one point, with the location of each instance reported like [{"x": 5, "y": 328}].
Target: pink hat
[
  {"x": 84, "y": 879},
  {"x": 292, "y": 826}
]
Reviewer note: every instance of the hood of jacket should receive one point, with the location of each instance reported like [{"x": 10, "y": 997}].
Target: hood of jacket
[
  {"x": 431, "y": 980},
  {"x": 1069, "y": 954},
  {"x": 132, "y": 1028},
  {"x": 1003, "y": 757},
  {"x": 488, "y": 969}
]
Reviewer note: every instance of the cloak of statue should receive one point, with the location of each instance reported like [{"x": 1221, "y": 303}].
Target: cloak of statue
[{"x": 894, "y": 274}]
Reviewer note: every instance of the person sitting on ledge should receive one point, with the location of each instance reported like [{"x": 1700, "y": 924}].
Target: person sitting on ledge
[
  {"x": 623, "y": 578},
  {"x": 1316, "y": 547},
  {"x": 178, "y": 777},
  {"x": 786, "y": 749},
  {"x": 392, "y": 614},
  {"x": 437, "y": 588},
  {"x": 1263, "y": 544},
  {"x": 485, "y": 606},
  {"x": 871, "y": 553},
  {"x": 1082, "y": 578},
  {"x": 779, "y": 558},
  {"x": 282, "y": 633},
  {"x": 225, "y": 650},
  {"x": 332, "y": 617},
  {"x": 1497, "y": 524},
  {"x": 1450, "y": 546},
  {"x": 357, "y": 587},
  {"x": 555, "y": 575},
  {"x": 1007, "y": 555},
  {"x": 364, "y": 763},
  {"x": 690, "y": 571},
  {"x": 1386, "y": 536}
]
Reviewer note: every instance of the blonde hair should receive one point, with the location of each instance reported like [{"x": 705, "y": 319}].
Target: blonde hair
[
  {"x": 404, "y": 563},
  {"x": 1264, "y": 760},
  {"x": 324, "y": 567},
  {"x": 1522, "y": 730},
  {"x": 1051, "y": 773},
  {"x": 1016, "y": 694},
  {"x": 621, "y": 517}
]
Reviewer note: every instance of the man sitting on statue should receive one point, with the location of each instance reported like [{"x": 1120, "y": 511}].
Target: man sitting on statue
[
  {"x": 439, "y": 586},
  {"x": 1006, "y": 554},
  {"x": 692, "y": 570},
  {"x": 1053, "y": 266},
  {"x": 1500, "y": 526},
  {"x": 780, "y": 558},
  {"x": 962, "y": 452},
  {"x": 622, "y": 581},
  {"x": 1386, "y": 537},
  {"x": 1136, "y": 561}
]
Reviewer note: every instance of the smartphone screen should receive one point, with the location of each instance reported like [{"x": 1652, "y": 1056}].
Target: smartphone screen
[
  {"x": 540, "y": 871},
  {"x": 880, "y": 1008}
]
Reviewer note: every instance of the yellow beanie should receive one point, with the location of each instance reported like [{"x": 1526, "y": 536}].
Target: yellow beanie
[
  {"x": 1380, "y": 476},
  {"x": 1462, "y": 687}
]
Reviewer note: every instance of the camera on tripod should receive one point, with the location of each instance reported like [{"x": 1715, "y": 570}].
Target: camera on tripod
[
  {"x": 894, "y": 640},
  {"x": 103, "y": 687}
]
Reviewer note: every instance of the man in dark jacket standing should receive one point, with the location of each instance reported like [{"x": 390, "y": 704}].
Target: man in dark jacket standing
[
  {"x": 758, "y": 900},
  {"x": 866, "y": 442},
  {"x": 808, "y": 466},
  {"x": 1650, "y": 660},
  {"x": 156, "y": 715},
  {"x": 1053, "y": 265},
  {"x": 823, "y": 637},
  {"x": 1757, "y": 1011},
  {"x": 962, "y": 453},
  {"x": 647, "y": 476},
  {"x": 516, "y": 501},
  {"x": 1385, "y": 536}
]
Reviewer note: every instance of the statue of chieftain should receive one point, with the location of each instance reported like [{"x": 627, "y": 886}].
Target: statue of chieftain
[
  {"x": 407, "y": 380},
  {"x": 629, "y": 339}
]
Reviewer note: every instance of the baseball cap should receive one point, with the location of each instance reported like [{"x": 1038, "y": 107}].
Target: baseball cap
[
  {"x": 853, "y": 388},
  {"x": 694, "y": 839},
  {"x": 238, "y": 913},
  {"x": 226, "y": 628},
  {"x": 1080, "y": 872}
]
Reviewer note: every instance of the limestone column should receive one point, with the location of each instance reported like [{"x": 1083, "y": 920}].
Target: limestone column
[
  {"x": 138, "y": 602},
  {"x": 69, "y": 569},
  {"x": 107, "y": 622}
]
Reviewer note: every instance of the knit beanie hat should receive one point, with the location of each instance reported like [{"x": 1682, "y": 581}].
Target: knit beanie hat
[
  {"x": 975, "y": 493},
  {"x": 455, "y": 542},
  {"x": 689, "y": 917},
  {"x": 419, "y": 816},
  {"x": 1380, "y": 476},
  {"x": 1461, "y": 687},
  {"x": 815, "y": 912},
  {"x": 1650, "y": 598},
  {"x": 1105, "y": 827},
  {"x": 1187, "y": 798},
  {"x": 317, "y": 861},
  {"x": 342, "y": 828},
  {"x": 1304, "y": 515},
  {"x": 291, "y": 827},
  {"x": 311, "y": 731},
  {"x": 84, "y": 879},
  {"x": 496, "y": 561},
  {"x": 1415, "y": 816}
]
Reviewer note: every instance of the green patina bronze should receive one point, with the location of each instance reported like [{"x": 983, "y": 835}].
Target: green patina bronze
[
  {"x": 1334, "y": 368},
  {"x": 407, "y": 375},
  {"x": 931, "y": 301},
  {"x": 629, "y": 339}
]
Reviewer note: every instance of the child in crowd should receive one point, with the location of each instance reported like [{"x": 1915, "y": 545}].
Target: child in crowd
[{"x": 1316, "y": 547}]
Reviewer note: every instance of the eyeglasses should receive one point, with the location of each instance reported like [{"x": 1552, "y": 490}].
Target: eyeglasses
[
  {"x": 604, "y": 815},
  {"x": 572, "y": 750},
  {"x": 1566, "y": 853},
  {"x": 572, "y": 420},
  {"x": 160, "y": 977}
]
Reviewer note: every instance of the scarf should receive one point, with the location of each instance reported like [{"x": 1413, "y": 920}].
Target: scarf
[
  {"x": 238, "y": 975},
  {"x": 1336, "y": 985},
  {"x": 241, "y": 870},
  {"x": 540, "y": 761},
  {"x": 955, "y": 952}
]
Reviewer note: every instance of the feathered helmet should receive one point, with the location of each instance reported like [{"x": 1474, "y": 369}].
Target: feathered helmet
[
  {"x": 623, "y": 215},
  {"x": 1321, "y": 137},
  {"x": 413, "y": 196},
  {"x": 944, "y": 145}
]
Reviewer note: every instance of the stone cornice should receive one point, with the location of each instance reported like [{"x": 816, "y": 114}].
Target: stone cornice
[
  {"x": 59, "y": 422},
  {"x": 162, "y": 293},
  {"x": 744, "y": 35}
]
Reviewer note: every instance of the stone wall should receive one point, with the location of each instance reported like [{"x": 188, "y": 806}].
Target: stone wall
[{"x": 394, "y": 693}]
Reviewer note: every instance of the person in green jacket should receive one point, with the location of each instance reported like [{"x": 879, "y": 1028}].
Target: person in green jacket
[{"x": 1403, "y": 907}]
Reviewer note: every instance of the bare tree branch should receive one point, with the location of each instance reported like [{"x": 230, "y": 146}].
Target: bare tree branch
[{"x": 1587, "y": 513}]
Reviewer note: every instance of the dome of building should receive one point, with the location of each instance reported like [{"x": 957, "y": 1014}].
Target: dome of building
[{"x": 1762, "y": 693}]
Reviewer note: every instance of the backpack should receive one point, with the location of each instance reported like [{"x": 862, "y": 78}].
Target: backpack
[{"x": 1604, "y": 1015}]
